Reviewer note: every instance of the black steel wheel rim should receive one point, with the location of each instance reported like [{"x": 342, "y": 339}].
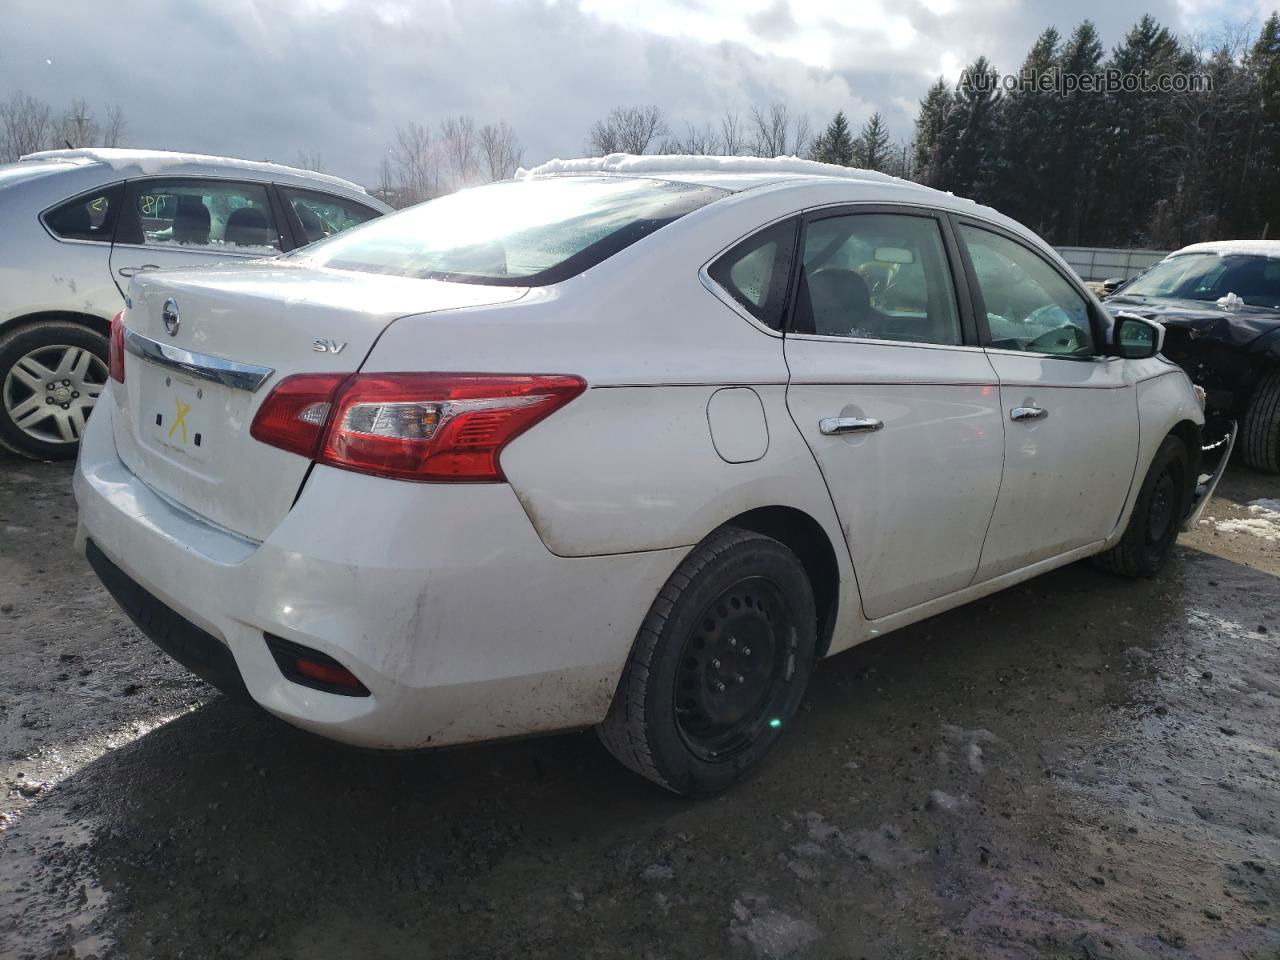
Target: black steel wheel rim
[
  {"x": 1160, "y": 514},
  {"x": 734, "y": 671}
]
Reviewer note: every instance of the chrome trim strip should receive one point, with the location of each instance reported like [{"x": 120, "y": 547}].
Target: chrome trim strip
[
  {"x": 231, "y": 373},
  {"x": 1204, "y": 492}
]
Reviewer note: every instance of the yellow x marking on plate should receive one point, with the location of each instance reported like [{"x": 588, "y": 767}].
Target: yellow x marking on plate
[{"x": 180, "y": 419}]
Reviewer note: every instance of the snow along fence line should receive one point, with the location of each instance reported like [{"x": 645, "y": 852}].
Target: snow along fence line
[{"x": 1103, "y": 263}]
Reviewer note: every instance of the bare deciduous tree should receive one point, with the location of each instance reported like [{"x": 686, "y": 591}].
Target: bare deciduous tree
[
  {"x": 776, "y": 134},
  {"x": 113, "y": 131},
  {"x": 79, "y": 127},
  {"x": 500, "y": 150},
  {"x": 311, "y": 160},
  {"x": 697, "y": 141},
  {"x": 26, "y": 125},
  {"x": 627, "y": 130},
  {"x": 731, "y": 137},
  {"x": 414, "y": 162},
  {"x": 458, "y": 143}
]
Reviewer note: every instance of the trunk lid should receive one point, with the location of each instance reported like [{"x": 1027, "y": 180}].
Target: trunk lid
[{"x": 186, "y": 434}]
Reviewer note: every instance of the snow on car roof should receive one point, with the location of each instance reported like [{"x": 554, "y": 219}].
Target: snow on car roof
[
  {"x": 152, "y": 162},
  {"x": 1224, "y": 248},
  {"x": 764, "y": 168}
]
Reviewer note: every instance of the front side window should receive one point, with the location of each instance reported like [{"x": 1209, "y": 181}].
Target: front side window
[
  {"x": 757, "y": 272},
  {"x": 513, "y": 233},
  {"x": 223, "y": 216},
  {"x": 879, "y": 277},
  {"x": 90, "y": 216},
  {"x": 322, "y": 215},
  {"x": 1029, "y": 305},
  {"x": 1209, "y": 276}
]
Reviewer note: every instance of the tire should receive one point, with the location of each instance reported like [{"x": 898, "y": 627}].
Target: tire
[
  {"x": 63, "y": 362},
  {"x": 1157, "y": 516},
  {"x": 696, "y": 707},
  {"x": 1260, "y": 431}
]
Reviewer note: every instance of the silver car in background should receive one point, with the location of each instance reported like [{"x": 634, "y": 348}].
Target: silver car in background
[{"x": 78, "y": 223}]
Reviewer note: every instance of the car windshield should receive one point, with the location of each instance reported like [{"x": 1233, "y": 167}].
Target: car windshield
[
  {"x": 515, "y": 233},
  {"x": 1209, "y": 276}
]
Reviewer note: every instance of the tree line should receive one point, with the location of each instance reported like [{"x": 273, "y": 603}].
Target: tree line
[{"x": 1125, "y": 167}]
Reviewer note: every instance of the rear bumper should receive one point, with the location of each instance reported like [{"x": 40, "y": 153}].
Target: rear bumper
[{"x": 441, "y": 599}]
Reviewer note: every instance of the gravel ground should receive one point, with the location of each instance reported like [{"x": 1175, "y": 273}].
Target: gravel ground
[{"x": 1079, "y": 767}]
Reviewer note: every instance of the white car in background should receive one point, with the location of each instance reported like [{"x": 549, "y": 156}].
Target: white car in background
[
  {"x": 78, "y": 223},
  {"x": 626, "y": 442}
]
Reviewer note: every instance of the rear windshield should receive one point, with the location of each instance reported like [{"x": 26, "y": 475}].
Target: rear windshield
[
  {"x": 514, "y": 233},
  {"x": 1209, "y": 276}
]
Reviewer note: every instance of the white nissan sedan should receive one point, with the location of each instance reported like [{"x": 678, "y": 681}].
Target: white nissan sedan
[{"x": 626, "y": 443}]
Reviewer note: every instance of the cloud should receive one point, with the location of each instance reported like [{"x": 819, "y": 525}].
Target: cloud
[
  {"x": 775, "y": 21},
  {"x": 264, "y": 79}
]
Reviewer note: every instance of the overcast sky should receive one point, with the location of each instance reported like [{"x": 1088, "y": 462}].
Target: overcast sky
[{"x": 264, "y": 79}]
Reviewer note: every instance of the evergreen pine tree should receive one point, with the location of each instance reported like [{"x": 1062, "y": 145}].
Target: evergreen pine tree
[
  {"x": 970, "y": 143},
  {"x": 1030, "y": 137},
  {"x": 871, "y": 151},
  {"x": 930, "y": 122},
  {"x": 835, "y": 143}
]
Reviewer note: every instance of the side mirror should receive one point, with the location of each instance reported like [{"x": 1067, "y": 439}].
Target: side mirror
[
  {"x": 1136, "y": 338},
  {"x": 1111, "y": 286}
]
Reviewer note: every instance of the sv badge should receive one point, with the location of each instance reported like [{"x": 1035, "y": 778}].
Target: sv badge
[{"x": 327, "y": 346}]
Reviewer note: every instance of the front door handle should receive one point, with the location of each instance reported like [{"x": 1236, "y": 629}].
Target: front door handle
[
  {"x": 1028, "y": 413},
  {"x": 838, "y": 426},
  {"x": 127, "y": 272}
]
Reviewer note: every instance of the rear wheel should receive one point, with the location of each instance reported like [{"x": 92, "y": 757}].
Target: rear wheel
[
  {"x": 1260, "y": 431},
  {"x": 51, "y": 373},
  {"x": 1157, "y": 516},
  {"x": 719, "y": 668}
]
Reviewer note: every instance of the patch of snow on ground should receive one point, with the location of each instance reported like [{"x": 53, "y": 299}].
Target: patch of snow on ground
[{"x": 1264, "y": 521}]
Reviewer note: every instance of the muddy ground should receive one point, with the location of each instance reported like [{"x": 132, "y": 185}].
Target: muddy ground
[{"x": 1081, "y": 767}]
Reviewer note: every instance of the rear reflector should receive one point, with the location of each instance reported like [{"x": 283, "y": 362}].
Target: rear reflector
[
  {"x": 311, "y": 668},
  {"x": 115, "y": 348},
  {"x": 442, "y": 427}
]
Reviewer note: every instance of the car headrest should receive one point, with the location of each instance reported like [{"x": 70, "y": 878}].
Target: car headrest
[
  {"x": 191, "y": 221},
  {"x": 840, "y": 300},
  {"x": 247, "y": 227}
]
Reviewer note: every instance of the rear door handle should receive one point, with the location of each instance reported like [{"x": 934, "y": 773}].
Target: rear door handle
[
  {"x": 838, "y": 426},
  {"x": 1028, "y": 413},
  {"x": 127, "y": 272}
]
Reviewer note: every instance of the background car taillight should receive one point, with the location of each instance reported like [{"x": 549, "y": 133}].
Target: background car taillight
[
  {"x": 115, "y": 349},
  {"x": 442, "y": 427}
]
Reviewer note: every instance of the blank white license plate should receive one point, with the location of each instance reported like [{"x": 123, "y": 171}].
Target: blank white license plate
[{"x": 177, "y": 410}]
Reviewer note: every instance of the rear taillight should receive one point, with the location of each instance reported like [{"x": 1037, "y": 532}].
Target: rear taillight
[
  {"x": 115, "y": 348},
  {"x": 412, "y": 426},
  {"x": 294, "y": 416}
]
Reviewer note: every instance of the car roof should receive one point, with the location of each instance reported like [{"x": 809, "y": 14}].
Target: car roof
[
  {"x": 154, "y": 162},
  {"x": 727, "y": 173},
  {"x": 1255, "y": 248}
]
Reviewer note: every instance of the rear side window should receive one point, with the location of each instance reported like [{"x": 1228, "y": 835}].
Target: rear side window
[
  {"x": 90, "y": 216},
  {"x": 757, "y": 272},
  {"x": 219, "y": 215},
  {"x": 321, "y": 215},
  {"x": 513, "y": 233},
  {"x": 877, "y": 277}
]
